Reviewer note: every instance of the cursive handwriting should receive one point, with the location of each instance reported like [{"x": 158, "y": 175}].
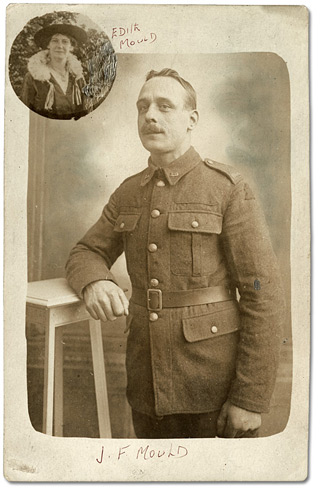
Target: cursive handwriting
[
  {"x": 121, "y": 31},
  {"x": 132, "y": 36},
  {"x": 101, "y": 458},
  {"x": 147, "y": 452},
  {"x": 151, "y": 38}
]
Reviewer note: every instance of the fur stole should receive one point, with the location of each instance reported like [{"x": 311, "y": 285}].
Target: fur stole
[{"x": 39, "y": 70}]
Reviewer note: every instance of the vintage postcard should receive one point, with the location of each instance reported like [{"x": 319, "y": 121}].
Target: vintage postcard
[{"x": 156, "y": 243}]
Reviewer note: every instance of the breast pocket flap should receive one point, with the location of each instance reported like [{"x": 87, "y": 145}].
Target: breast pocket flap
[
  {"x": 195, "y": 221},
  {"x": 211, "y": 325},
  {"x": 126, "y": 222}
]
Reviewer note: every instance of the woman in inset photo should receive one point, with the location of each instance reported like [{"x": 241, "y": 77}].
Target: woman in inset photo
[{"x": 53, "y": 84}]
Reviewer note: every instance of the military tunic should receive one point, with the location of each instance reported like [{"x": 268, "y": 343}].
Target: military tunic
[{"x": 192, "y": 225}]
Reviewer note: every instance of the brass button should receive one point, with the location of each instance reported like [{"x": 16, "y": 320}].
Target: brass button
[
  {"x": 195, "y": 224},
  {"x": 214, "y": 329},
  {"x": 121, "y": 225},
  {"x": 154, "y": 282},
  {"x": 152, "y": 247},
  {"x": 160, "y": 184},
  {"x": 153, "y": 317},
  {"x": 155, "y": 213}
]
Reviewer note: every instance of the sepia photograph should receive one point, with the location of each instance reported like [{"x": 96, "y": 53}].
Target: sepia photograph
[
  {"x": 158, "y": 241},
  {"x": 187, "y": 344}
]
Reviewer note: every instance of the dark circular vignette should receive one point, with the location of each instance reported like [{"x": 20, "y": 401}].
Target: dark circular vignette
[{"x": 97, "y": 57}]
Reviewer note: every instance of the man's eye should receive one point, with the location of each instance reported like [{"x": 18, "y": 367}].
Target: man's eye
[
  {"x": 164, "y": 107},
  {"x": 142, "y": 109}
]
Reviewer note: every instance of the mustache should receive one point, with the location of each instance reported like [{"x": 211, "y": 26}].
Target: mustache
[{"x": 148, "y": 129}]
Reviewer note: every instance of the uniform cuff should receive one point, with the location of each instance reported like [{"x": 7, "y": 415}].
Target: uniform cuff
[
  {"x": 108, "y": 277},
  {"x": 249, "y": 405}
]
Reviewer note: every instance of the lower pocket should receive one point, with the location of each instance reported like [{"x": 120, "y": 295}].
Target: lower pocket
[{"x": 211, "y": 326}]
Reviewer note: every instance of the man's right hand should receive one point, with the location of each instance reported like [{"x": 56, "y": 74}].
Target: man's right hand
[{"x": 105, "y": 301}]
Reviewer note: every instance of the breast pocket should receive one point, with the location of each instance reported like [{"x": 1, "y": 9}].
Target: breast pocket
[
  {"x": 128, "y": 224},
  {"x": 194, "y": 242}
]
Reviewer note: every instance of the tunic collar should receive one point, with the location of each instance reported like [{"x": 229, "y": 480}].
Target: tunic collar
[{"x": 176, "y": 170}]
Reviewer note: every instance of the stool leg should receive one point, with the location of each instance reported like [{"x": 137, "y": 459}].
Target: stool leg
[
  {"x": 48, "y": 388},
  {"x": 58, "y": 383},
  {"x": 100, "y": 379}
]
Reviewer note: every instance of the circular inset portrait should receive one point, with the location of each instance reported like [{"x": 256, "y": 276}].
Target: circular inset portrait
[{"x": 62, "y": 65}]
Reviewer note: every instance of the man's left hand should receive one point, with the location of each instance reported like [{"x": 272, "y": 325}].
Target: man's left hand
[{"x": 235, "y": 422}]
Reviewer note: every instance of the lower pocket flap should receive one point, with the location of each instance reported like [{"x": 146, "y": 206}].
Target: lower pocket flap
[{"x": 211, "y": 325}]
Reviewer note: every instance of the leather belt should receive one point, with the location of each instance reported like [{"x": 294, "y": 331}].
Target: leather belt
[{"x": 155, "y": 299}]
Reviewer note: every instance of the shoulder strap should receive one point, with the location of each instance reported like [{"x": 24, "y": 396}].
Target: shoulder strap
[{"x": 227, "y": 170}]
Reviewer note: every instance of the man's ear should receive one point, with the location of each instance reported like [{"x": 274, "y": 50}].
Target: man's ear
[{"x": 193, "y": 119}]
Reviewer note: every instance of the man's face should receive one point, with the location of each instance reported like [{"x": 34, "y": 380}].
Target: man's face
[{"x": 164, "y": 123}]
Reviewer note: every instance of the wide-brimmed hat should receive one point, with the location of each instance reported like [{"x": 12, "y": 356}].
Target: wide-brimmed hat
[{"x": 42, "y": 37}]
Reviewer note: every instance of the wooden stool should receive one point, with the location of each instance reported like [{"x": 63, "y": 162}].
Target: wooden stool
[{"x": 53, "y": 304}]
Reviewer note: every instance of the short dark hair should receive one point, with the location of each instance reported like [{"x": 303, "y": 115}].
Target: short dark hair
[{"x": 191, "y": 98}]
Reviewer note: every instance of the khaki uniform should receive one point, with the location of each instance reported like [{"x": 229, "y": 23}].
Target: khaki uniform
[{"x": 192, "y": 234}]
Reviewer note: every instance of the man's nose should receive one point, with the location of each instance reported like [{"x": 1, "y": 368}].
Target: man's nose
[{"x": 151, "y": 113}]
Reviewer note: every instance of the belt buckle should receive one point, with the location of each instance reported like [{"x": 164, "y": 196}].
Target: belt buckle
[{"x": 154, "y": 299}]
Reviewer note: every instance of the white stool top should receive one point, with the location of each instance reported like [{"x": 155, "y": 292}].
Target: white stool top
[{"x": 51, "y": 293}]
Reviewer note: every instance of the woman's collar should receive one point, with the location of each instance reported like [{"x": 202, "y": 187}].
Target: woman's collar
[{"x": 39, "y": 70}]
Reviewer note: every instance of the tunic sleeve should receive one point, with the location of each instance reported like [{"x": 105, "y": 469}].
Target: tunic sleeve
[
  {"x": 255, "y": 273},
  {"x": 91, "y": 259},
  {"x": 28, "y": 91}
]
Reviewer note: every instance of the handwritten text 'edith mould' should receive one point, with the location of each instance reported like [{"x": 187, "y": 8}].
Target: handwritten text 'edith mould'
[{"x": 132, "y": 36}]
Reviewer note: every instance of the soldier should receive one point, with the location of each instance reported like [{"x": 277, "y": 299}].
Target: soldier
[{"x": 201, "y": 361}]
